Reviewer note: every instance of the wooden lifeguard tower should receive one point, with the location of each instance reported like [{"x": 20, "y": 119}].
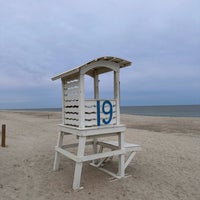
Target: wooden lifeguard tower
[{"x": 90, "y": 119}]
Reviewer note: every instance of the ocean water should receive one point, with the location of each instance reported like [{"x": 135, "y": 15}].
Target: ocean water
[{"x": 167, "y": 111}]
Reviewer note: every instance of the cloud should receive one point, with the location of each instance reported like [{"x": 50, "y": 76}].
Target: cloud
[{"x": 40, "y": 39}]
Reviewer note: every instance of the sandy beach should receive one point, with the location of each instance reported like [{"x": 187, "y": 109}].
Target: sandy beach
[{"x": 167, "y": 168}]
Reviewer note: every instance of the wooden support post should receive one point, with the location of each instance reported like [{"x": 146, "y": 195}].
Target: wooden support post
[
  {"x": 57, "y": 154},
  {"x": 81, "y": 102},
  {"x": 121, "y": 162},
  {"x": 79, "y": 165},
  {"x": 117, "y": 95},
  {"x": 3, "y": 136},
  {"x": 96, "y": 96}
]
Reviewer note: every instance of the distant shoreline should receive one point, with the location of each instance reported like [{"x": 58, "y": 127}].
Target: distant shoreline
[{"x": 159, "y": 111}]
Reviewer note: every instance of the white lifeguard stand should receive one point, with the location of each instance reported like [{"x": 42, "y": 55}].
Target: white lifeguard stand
[{"x": 90, "y": 118}]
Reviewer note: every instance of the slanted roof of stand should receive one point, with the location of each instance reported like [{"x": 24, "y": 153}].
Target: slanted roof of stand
[{"x": 121, "y": 62}]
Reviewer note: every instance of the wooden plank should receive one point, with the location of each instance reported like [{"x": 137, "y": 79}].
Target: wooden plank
[
  {"x": 96, "y": 84},
  {"x": 94, "y": 109},
  {"x": 105, "y": 116},
  {"x": 70, "y": 75},
  {"x": 116, "y": 94},
  {"x": 68, "y": 129},
  {"x": 102, "y": 130},
  {"x": 66, "y": 153},
  {"x": 3, "y": 136},
  {"x": 75, "y": 145},
  {"x": 71, "y": 103},
  {"x": 102, "y": 115},
  {"x": 63, "y": 102},
  {"x": 106, "y": 171},
  {"x": 81, "y": 101},
  {"x": 73, "y": 116},
  {"x": 57, "y": 154},
  {"x": 101, "y": 155},
  {"x": 92, "y": 123},
  {"x": 79, "y": 164},
  {"x": 71, "y": 110},
  {"x": 131, "y": 156},
  {"x": 90, "y": 116},
  {"x": 72, "y": 84},
  {"x": 71, "y": 79},
  {"x": 115, "y": 145},
  {"x": 72, "y": 122},
  {"x": 93, "y": 131},
  {"x": 93, "y": 102},
  {"x": 90, "y": 109},
  {"x": 90, "y": 103},
  {"x": 90, "y": 113},
  {"x": 121, "y": 161},
  {"x": 71, "y": 97},
  {"x": 72, "y": 91}
]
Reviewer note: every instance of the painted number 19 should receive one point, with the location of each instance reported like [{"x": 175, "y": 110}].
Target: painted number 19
[{"x": 107, "y": 110}]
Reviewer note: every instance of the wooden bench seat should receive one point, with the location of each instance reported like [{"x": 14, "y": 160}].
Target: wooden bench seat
[
  {"x": 129, "y": 148},
  {"x": 114, "y": 145}
]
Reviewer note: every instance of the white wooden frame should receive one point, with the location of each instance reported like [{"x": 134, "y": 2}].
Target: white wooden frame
[
  {"x": 129, "y": 148},
  {"x": 74, "y": 120},
  {"x": 79, "y": 158}
]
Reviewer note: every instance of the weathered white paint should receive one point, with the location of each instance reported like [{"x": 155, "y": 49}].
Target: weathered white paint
[
  {"x": 90, "y": 119},
  {"x": 122, "y": 63}
]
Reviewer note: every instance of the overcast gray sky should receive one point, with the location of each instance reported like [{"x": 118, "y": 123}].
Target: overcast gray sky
[{"x": 41, "y": 38}]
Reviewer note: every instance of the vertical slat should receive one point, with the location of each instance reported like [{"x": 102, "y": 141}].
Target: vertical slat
[
  {"x": 81, "y": 102},
  {"x": 63, "y": 101},
  {"x": 116, "y": 94},
  {"x": 96, "y": 85}
]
